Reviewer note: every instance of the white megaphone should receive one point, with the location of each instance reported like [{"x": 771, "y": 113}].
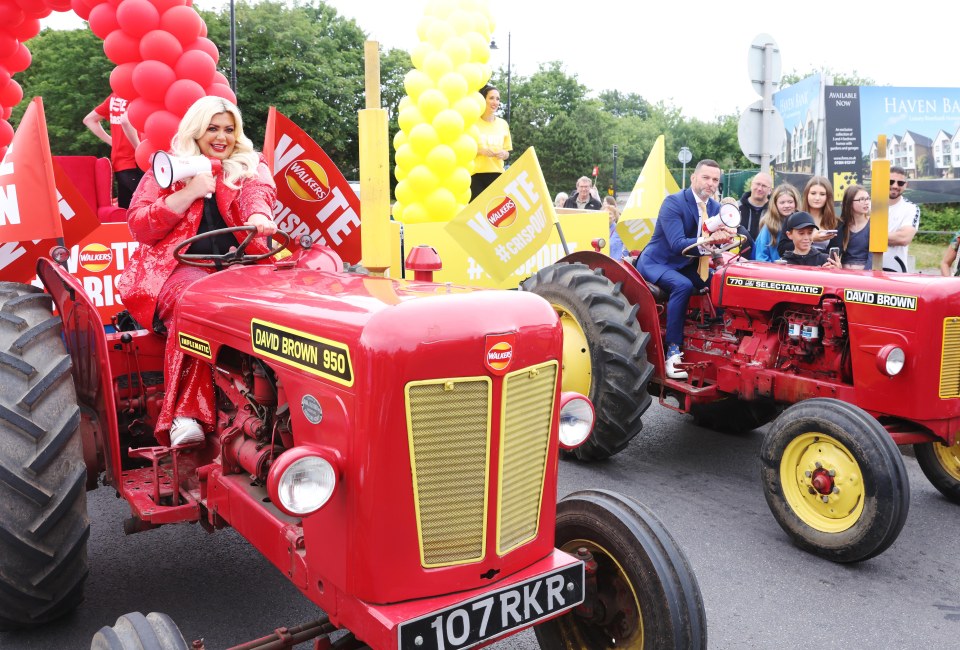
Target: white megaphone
[
  {"x": 729, "y": 216},
  {"x": 168, "y": 170}
]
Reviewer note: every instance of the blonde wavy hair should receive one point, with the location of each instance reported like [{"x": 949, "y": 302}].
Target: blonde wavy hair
[{"x": 242, "y": 163}]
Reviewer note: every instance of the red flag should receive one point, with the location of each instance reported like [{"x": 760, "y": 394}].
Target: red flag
[
  {"x": 313, "y": 197},
  {"x": 596, "y": 170},
  {"x": 28, "y": 193}
]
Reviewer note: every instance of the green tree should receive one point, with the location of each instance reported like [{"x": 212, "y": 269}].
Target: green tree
[
  {"x": 71, "y": 74},
  {"x": 839, "y": 78}
]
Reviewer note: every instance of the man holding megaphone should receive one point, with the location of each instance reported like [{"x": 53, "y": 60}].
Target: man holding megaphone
[{"x": 212, "y": 179}]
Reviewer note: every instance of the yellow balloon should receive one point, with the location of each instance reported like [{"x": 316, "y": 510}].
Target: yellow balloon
[
  {"x": 422, "y": 181},
  {"x": 415, "y": 213},
  {"x": 409, "y": 118},
  {"x": 400, "y": 173},
  {"x": 436, "y": 64},
  {"x": 453, "y": 85},
  {"x": 415, "y": 82},
  {"x": 438, "y": 8},
  {"x": 404, "y": 192},
  {"x": 431, "y": 102},
  {"x": 423, "y": 27},
  {"x": 479, "y": 47},
  {"x": 400, "y": 139},
  {"x": 461, "y": 21},
  {"x": 464, "y": 196},
  {"x": 473, "y": 75},
  {"x": 404, "y": 102},
  {"x": 419, "y": 52},
  {"x": 406, "y": 157},
  {"x": 481, "y": 103},
  {"x": 442, "y": 205},
  {"x": 458, "y": 51},
  {"x": 397, "y": 211},
  {"x": 467, "y": 108},
  {"x": 442, "y": 160},
  {"x": 423, "y": 138},
  {"x": 459, "y": 179},
  {"x": 448, "y": 124},
  {"x": 438, "y": 33},
  {"x": 465, "y": 147}
]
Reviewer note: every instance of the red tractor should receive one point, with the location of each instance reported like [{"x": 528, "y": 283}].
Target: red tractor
[
  {"x": 846, "y": 364},
  {"x": 394, "y": 455}
]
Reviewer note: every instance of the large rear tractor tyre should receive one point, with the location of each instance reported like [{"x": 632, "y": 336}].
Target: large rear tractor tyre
[
  {"x": 604, "y": 352},
  {"x": 834, "y": 480},
  {"x": 732, "y": 415},
  {"x": 135, "y": 631},
  {"x": 43, "y": 500},
  {"x": 941, "y": 464},
  {"x": 647, "y": 595}
]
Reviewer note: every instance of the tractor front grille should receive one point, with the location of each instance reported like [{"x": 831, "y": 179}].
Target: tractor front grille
[
  {"x": 950, "y": 358},
  {"x": 449, "y": 428}
]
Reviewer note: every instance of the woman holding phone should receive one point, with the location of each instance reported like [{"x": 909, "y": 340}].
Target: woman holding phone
[{"x": 817, "y": 200}]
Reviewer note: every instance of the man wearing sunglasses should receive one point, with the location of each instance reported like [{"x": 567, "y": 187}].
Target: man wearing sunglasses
[{"x": 902, "y": 224}]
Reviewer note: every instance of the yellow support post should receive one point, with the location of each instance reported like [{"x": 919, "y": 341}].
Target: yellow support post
[
  {"x": 374, "y": 170},
  {"x": 880, "y": 203}
]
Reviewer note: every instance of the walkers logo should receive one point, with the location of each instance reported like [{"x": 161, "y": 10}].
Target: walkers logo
[
  {"x": 95, "y": 257},
  {"x": 498, "y": 352},
  {"x": 307, "y": 180},
  {"x": 504, "y": 212}
]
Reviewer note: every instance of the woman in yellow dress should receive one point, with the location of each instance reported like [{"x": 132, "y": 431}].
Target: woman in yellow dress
[{"x": 494, "y": 144}]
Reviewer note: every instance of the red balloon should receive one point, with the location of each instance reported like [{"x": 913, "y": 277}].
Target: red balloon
[
  {"x": 27, "y": 28},
  {"x": 205, "y": 45},
  {"x": 139, "y": 110},
  {"x": 120, "y": 47},
  {"x": 6, "y": 133},
  {"x": 160, "y": 46},
  {"x": 203, "y": 28},
  {"x": 8, "y": 45},
  {"x": 103, "y": 20},
  {"x": 220, "y": 90},
  {"x": 5, "y": 115},
  {"x": 11, "y": 14},
  {"x": 163, "y": 5},
  {"x": 220, "y": 78},
  {"x": 11, "y": 94},
  {"x": 196, "y": 65},
  {"x": 59, "y": 5},
  {"x": 161, "y": 127},
  {"x": 19, "y": 61},
  {"x": 182, "y": 22},
  {"x": 121, "y": 80},
  {"x": 81, "y": 8},
  {"x": 151, "y": 79},
  {"x": 144, "y": 153},
  {"x": 181, "y": 95},
  {"x": 137, "y": 17},
  {"x": 4, "y": 76}
]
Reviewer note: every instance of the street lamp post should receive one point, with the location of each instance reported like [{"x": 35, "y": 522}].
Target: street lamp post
[{"x": 493, "y": 46}]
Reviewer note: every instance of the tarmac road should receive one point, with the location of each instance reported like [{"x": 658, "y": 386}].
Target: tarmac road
[{"x": 759, "y": 591}]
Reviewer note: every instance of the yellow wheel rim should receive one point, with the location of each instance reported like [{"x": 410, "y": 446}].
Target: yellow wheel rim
[
  {"x": 949, "y": 457},
  {"x": 612, "y": 580},
  {"x": 822, "y": 482},
  {"x": 577, "y": 369}
]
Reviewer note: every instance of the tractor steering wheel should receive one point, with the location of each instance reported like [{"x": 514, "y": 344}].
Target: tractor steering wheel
[
  {"x": 234, "y": 256},
  {"x": 692, "y": 249}
]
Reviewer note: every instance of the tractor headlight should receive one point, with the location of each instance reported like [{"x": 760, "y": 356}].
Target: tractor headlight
[
  {"x": 576, "y": 420},
  {"x": 302, "y": 480},
  {"x": 891, "y": 359}
]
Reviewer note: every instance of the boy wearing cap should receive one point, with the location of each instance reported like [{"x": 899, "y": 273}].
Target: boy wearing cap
[{"x": 799, "y": 229}]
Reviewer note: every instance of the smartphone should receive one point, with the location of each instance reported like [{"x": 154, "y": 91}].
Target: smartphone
[
  {"x": 829, "y": 232},
  {"x": 835, "y": 254}
]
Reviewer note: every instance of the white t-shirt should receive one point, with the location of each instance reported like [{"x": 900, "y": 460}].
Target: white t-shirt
[{"x": 902, "y": 213}]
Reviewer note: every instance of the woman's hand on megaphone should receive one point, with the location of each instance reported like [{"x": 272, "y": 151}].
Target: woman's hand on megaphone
[
  {"x": 265, "y": 225},
  {"x": 201, "y": 185}
]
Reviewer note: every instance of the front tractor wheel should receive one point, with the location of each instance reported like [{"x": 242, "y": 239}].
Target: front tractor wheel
[
  {"x": 646, "y": 593},
  {"x": 941, "y": 465},
  {"x": 604, "y": 352},
  {"x": 834, "y": 480},
  {"x": 43, "y": 500}
]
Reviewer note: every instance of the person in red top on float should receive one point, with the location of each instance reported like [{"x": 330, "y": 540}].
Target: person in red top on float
[
  {"x": 243, "y": 193},
  {"x": 123, "y": 143}
]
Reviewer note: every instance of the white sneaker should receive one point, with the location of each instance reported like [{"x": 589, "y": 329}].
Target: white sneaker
[
  {"x": 185, "y": 431},
  {"x": 672, "y": 371}
]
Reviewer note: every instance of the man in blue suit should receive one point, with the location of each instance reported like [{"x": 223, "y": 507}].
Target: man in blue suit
[{"x": 679, "y": 225}]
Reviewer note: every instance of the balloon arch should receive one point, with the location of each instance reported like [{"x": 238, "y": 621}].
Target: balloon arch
[{"x": 164, "y": 60}]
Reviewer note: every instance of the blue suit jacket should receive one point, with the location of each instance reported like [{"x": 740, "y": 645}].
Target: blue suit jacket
[{"x": 675, "y": 230}]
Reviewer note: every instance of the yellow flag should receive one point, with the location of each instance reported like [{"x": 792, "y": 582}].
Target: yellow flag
[
  {"x": 653, "y": 185},
  {"x": 509, "y": 221}
]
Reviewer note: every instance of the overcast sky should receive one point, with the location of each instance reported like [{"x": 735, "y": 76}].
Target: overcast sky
[{"x": 693, "y": 54}]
